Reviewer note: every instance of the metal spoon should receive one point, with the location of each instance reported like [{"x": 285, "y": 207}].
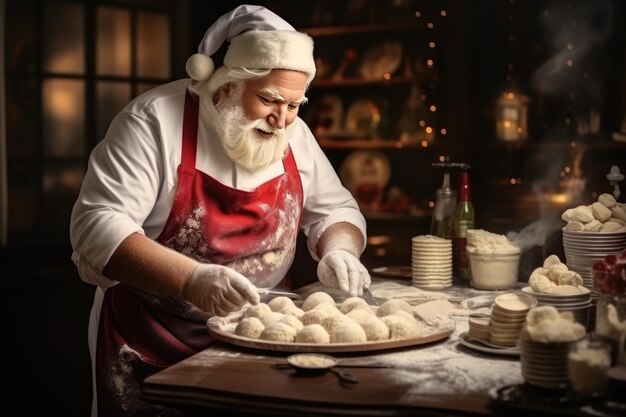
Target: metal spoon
[{"x": 310, "y": 363}]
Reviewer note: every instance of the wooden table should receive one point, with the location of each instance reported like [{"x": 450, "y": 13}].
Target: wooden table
[{"x": 433, "y": 379}]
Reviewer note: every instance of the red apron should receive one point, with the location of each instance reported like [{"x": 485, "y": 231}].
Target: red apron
[{"x": 254, "y": 232}]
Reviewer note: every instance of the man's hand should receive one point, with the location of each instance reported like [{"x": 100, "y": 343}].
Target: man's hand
[
  {"x": 341, "y": 270},
  {"x": 219, "y": 290}
]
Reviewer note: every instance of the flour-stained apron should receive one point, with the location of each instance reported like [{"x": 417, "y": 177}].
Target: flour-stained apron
[{"x": 253, "y": 232}]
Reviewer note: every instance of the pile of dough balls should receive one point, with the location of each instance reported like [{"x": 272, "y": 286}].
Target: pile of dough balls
[
  {"x": 605, "y": 215},
  {"x": 547, "y": 324},
  {"x": 321, "y": 320},
  {"x": 554, "y": 277}
]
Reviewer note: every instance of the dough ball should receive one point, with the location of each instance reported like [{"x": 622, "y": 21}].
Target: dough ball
[
  {"x": 280, "y": 302},
  {"x": 271, "y": 318},
  {"x": 546, "y": 324},
  {"x": 331, "y": 322},
  {"x": 574, "y": 226},
  {"x": 611, "y": 226},
  {"x": 570, "y": 278},
  {"x": 393, "y": 305},
  {"x": 316, "y": 298},
  {"x": 601, "y": 212},
  {"x": 313, "y": 333},
  {"x": 249, "y": 327},
  {"x": 348, "y": 332},
  {"x": 278, "y": 332},
  {"x": 593, "y": 226},
  {"x": 257, "y": 311},
  {"x": 408, "y": 316},
  {"x": 539, "y": 282},
  {"x": 607, "y": 200},
  {"x": 555, "y": 271},
  {"x": 293, "y": 311},
  {"x": 351, "y": 303},
  {"x": 313, "y": 317},
  {"x": 361, "y": 314},
  {"x": 330, "y": 309},
  {"x": 551, "y": 260},
  {"x": 375, "y": 328},
  {"x": 292, "y": 321},
  {"x": 400, "y": 327}
]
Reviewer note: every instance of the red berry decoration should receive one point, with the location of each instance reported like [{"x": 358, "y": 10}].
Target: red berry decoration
[{"x": 609, "y": 275}]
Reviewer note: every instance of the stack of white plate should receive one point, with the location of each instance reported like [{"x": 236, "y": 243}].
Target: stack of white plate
[
  {"x": 544, "y": 364},
  {"x": 507, "y": 318},
  {"x": 431, "y": 262},
  {"x": 583, "y": 249},
  {"x": 578, "y": 304},
  {"x": 479, "y": 326}
]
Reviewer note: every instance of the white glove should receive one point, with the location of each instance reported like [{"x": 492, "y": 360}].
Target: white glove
[
  {"x": 342, "y": 270},
  {"x": 219, "y": 290}
]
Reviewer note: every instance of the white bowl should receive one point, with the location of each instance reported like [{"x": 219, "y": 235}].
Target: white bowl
[{"x": 492, "y": 271}]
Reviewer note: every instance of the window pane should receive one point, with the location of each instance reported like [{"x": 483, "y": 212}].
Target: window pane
[
  {"x": 113, "y": 42},
  {"x": 23, "y": 190},
  {"x": 143, "y": 87},
  {"x": 111, "y": 98},
  {"x": 63, "y": 117},
  {"x": 20, "y": 35},
  {"x": 153, "y": 45},
  {"x": 22, "y": 125},
  {"x": 63, "y": 38},
  {"x": 60, "y": 190}
]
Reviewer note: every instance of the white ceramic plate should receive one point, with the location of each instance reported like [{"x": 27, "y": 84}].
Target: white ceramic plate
[{"x": 485, "y": 347}]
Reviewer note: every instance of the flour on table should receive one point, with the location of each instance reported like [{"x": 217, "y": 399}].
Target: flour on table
[
  {"x": 447, "y": 368},
  {"x": 412, "y": 295}
]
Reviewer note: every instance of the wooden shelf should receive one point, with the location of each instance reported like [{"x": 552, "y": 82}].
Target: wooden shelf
[
  {"x": 366, "y": 28},
  {"x": 556, "y": 145},
  {"x": 361, "y": 82},
  {"x": 372, "y": 144}
]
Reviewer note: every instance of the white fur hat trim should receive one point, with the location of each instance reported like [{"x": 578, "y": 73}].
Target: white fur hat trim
[
  {"x": 259, "y": 39},
  {"x": 272, "y": 50}
]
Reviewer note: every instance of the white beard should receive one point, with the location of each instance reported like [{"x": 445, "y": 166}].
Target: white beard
[{"x": 240, "y": 139}]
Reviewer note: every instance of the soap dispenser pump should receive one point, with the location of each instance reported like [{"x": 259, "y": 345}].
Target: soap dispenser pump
[{"x": 442, "y": 223}]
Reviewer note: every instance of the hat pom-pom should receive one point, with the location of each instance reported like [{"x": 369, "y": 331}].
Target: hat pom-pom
[{"x": 199, "y": 67}]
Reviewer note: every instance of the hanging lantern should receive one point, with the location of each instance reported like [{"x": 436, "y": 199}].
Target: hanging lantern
[{"x": 512, "y": 116}]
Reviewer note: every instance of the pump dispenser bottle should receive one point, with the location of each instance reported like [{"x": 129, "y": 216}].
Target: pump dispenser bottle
[{"x": 442, "y": 223}]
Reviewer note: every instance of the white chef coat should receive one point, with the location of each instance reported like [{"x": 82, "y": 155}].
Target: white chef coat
[{"x": 132, "y": 175}]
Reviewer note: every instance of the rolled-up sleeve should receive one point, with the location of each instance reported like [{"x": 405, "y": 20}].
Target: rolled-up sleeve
[
  {"x": 118, "y": 192},
  {"x": 327, "y": 201}
]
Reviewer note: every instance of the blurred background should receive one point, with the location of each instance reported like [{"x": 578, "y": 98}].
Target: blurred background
[{"x": 531, "y": 94}]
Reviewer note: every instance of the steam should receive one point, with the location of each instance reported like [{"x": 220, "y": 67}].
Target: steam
[
  {"x": 536, "y": 233},
  {"x": 575, "y": 31}
]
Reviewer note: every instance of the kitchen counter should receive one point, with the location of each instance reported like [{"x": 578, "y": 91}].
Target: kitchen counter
[{"x": 443, "y": 378}]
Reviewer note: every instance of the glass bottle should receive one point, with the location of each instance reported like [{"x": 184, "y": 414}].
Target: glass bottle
[
  {"x": 464, "y": 220},
  {"x": 442, "y": 223}
]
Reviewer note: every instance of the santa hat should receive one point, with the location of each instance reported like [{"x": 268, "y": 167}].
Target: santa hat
[{"x": 259, "y": 39}]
